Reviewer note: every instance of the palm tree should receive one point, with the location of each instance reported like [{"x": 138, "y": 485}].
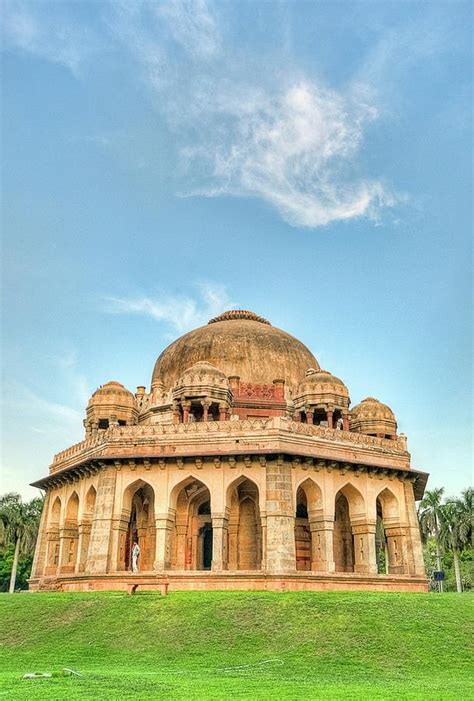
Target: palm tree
[
  {"x": 466, "y": 504},
  {"x": 429, "y": 515},
  {"x": 453, "y": 533},
  {"x": 19, "y": 523}
]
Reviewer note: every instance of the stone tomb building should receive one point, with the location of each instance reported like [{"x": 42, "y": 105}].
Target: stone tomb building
[{"x": 243, "y": 467}]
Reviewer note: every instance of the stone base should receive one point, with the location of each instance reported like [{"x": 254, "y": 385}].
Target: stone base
[{"x": 233, "y": 581}]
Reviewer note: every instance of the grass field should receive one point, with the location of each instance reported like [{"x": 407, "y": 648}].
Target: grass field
[{"x": 218, "y": 645}]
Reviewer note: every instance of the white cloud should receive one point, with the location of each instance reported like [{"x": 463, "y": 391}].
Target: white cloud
[
  {"x": 21, "y": 400},
  {"x": 286, "y": 139},
  {"x": 181, "y": 312},
  {"x": 296, "y": 150},
  {"x": 241, "y": 124},
  {"x": 193, "y": 26},
  {"x": 41, "y": 30}
]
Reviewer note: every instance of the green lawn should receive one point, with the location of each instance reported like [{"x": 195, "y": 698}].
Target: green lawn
[{"x": 241, "y": 645}]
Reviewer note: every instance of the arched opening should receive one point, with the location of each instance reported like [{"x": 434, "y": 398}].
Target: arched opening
[
  {"x": 86, "y": 526},
  {"x": 310, "y": 541},
  {"x": 70, "y": 535},
  {"x": 343, "y": 539},
  {"x": 244, "y": 527},
  {"x": 302, "y": 532},
  {"x": 52, "y": 559},
  {"x": 138, "y": 527},
  {"x": 192, "y": 537},
  {"x": 388, "y": 537}
]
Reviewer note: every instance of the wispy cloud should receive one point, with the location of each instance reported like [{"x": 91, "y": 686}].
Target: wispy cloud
[
  {"x": 290, "y": 141},
  {"x": 296, "y": 150},
  {"x": 24, "y": 401},
  {"x": 181, "y": 312},
  {"x": 242, "y": 124},
  {"x": 45, "y": 31}
]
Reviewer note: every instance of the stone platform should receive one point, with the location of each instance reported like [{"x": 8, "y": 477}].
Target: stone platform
[{"x": 232, "y": 581}]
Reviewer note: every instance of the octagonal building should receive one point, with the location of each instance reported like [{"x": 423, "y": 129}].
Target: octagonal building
[{"x": 243, "y": 467}]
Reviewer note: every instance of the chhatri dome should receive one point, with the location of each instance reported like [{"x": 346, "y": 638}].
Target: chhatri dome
[{"x": 242, "y": 466}]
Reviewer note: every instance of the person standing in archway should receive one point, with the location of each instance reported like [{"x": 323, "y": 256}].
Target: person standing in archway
[{"x": 135, "y": 556}]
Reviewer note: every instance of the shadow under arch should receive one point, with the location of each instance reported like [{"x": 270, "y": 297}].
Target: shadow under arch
[
  {"x": 137, "y": 526},
  {"x": 309, "y": 505},
  {"x": 70, "y": 534},
  {"x": 244, "y": 525},
  {"x": 52, "y": 531},
  {"x": 86, "y": 526},
  {"x": 388, "y": 534},
  {"x": 192, "y": 535}
]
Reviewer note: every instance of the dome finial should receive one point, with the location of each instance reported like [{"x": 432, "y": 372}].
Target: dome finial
[{"x": 233, "y": 314}]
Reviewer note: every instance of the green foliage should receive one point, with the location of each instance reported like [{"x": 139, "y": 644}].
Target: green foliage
[
  {"x": 6, "y": 564},
  {"x": 211, "y": 646},
  {"x": 19, "y": 523}
]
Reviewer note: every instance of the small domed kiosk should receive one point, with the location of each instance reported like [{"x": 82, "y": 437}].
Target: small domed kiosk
[{"x": 242, "y": 467}]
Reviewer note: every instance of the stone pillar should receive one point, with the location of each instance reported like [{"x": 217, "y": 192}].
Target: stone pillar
[
  {"x": 68, "y": 537},
  {"x": 279, "y": 391},
  {"x": 309, "y": 416},
  {"x": 219, "y": 542},
  {"x": 322, "y": 549},
  {"x": 222, "y": 412},
  {"x": 281, "y": 555},
  {"x": 345, "y": 422},
  {"x": 415, "y": 560},
  {"x": 232, "y": 532},
  {"x": 263, "y": 522},
  {"x": 118, "y": 537},
  {"x": 83, "y": 545},
  {"x": 396, "y": 546},
  {"x": 39, "y": 560},
  {"x": 53, "y": 551},
  {"x": 186, "y": 405},
  {"x": 164, "y": 529},
  {"x": 205, "y": 409},
  {"x": 181, "y": 546},
  {"x": 365, "y": 559},
  {"x": 329, "y": 417},
  {"x": 98, "y": 558},
  {"x": 176, "y": 414}
]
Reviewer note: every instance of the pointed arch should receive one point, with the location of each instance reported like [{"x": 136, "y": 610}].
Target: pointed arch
[
  {"x": 192, "y": 535},
  {"x": 70, "y": 534},
  {"x": 389, "y": 537},
  {"x": 55, "y": 511},
  {"x": 355, "y": 500},
  {"x": 137, "y": 525},
  {"x": 53, "y": 549},
  {"x": 312, "y": 491},
  {"x": 349, "y": 504},
  {"x": 244, "y": 525},
  {"x": 183, "y": 484},
  {"x": 89, "y": 502},
  {"x": 389, "y": 504},
  {"x": 308, "y": 505},
  {"x": 86, "y": 526},
  {"x": 72, "y": 508}
]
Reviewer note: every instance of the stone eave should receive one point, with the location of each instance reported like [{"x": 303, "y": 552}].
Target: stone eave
[{"x": 195, "y": 458}]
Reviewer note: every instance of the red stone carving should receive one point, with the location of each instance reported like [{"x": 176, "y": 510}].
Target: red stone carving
[{"x": 249, "y": 390}]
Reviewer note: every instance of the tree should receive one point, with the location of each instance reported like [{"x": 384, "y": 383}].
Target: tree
[
  {"x": 429, "y": 514},
  {"x": 466, "y": 504},
  {"x": 19, "y": 524},
  {"x": 452, "y": 533}
]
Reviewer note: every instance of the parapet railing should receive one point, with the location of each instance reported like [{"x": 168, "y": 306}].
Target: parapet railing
[{"x": 156, "y": 433}]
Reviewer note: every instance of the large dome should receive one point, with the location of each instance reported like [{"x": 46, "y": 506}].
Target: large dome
[{"x": 239, "y": 343}]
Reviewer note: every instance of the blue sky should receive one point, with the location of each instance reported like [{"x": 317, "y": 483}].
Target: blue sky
[{"x": 165, "y": 161}]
